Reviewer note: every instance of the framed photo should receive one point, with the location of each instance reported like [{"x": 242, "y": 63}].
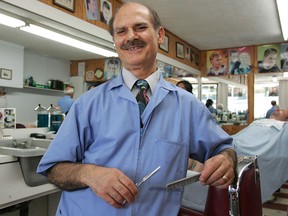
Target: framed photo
[
  {"x": 179, "y": 50},
  {"x": 66, "y": 4},
  {"x": 5, "y": 74},
  {"x": 165, "y": 45}
]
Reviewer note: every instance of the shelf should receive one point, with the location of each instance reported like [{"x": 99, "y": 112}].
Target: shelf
[{"x": 43, "y": 89}]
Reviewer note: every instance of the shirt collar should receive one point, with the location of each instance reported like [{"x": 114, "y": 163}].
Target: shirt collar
[{"x": 129, "y": 79}]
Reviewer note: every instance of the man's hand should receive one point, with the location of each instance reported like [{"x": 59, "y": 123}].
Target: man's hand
[
  {"x": 219, "y": 170},
  {"x": 110, "y": 184}
]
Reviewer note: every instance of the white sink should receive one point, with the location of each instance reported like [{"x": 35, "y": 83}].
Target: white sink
[
  {"x": 29, "y": 147},
  {"x": 29, "y": 152}
]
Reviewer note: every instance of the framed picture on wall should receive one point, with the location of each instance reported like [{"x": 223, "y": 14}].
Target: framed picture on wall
[
  {"x": 179, "y": 50},
  {"x": 66, "y": 4},
  {"x": 165, "y": 45},
  {"x": 6, "y": 74}
]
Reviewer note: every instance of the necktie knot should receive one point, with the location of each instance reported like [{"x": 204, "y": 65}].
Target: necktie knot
[{"x": 142, "y": 84}]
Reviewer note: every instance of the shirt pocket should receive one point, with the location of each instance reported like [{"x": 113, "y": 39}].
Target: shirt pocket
[{"x": 172, "y": 158}]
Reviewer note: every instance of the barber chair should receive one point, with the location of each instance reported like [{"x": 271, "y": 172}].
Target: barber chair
[{"x": 241, "y": 199}]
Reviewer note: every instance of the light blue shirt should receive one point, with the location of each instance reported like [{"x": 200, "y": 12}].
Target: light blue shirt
[{"x": 103, "y": 128}]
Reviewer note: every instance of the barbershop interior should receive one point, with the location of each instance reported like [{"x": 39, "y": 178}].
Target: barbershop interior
[{"x": 231, "y": 56}]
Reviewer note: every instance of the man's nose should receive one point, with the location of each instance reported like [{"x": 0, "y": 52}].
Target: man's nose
[{"x": 131, "y": 35}]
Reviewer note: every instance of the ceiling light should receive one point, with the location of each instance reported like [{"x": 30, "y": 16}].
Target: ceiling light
[
  {"x": 10, "y": 21},
  {"x": 285, "y": 74},
  {"x": 282, "y": 6},
  {"x": 43, "y": 32}
]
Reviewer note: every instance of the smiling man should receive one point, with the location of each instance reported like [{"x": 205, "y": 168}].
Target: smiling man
[{"x": 106, "y": 146}]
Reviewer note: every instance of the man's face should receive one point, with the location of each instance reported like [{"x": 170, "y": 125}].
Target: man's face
[
  {"x": 234, "y": 56},
  {"x": 111, "y": 68},
  {"x": 106, "y": 13},
  {"x": 136, "y": 40},
  {"x": 282, "y": 115},
  {"x": 92, "y": 6},
  {"x": 269, "y": 61},
  {"x": 216, "y": 62}
]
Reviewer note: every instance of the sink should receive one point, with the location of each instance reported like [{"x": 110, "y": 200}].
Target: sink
[
  {"x": 29, "y": 147},
  {"x": 29, "y": 152}
]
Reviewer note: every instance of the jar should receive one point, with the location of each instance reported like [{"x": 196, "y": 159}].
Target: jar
[{"x": 42, "y": 116}]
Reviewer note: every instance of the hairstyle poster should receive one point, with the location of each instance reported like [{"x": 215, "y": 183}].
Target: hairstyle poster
[
  {"x": 7, "y": 117},
  {"x": 268, "y": 58},
  {"x": 112, "y": 68},
  {"x": 239, "y": 60},
  {"x": 166, "y": 69},
  {"x": 91, "y": 9},
  {"x": 284, "y": 57},
  {"x": 105, "y": 11},
  {"x": 217, "y": 63}
]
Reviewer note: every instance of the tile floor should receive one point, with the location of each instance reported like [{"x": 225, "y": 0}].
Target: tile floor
[{"x": 278, "y": 207}]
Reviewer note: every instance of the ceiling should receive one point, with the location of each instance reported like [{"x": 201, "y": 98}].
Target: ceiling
[
  {"x": 211, "y": 24},
  {"x": 205, "y": 24}
]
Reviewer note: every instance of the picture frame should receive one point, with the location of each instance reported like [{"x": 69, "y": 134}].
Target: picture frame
[
  {"x": 179, "y": 50},
  {"x": 6, "y": 74},
  {"x": 66, "y": 4},
  {"x": 165, "y": 45}
]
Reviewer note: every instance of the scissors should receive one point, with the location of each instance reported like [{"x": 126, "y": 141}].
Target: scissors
[{"x": 145, "y": 178}]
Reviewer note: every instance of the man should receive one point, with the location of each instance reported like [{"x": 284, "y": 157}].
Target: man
[
  {"x": 105, "y": 13},
  {"x": 268, "y": 64},
  {"x": 66, "y": 102},
  {"x": 91, "y": 10},
  {"x": 104, "y": 146},
  {"x": 111, "y": 69},
  {"x": 272, "y": 109},
  {"x": 265, "y": 138},
  {"x": 217, "y": 66}
]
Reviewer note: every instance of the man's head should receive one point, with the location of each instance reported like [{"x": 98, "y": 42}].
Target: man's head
[
  {"x": 280, "y": 114},
  {"x": 106, "y": 10},
  {"x": 137, "y": 32},
  {"x": 91, "y": 6},
  {"x": 216, "y": 60},
  {"x": 69, "y": 90},
  {"x": 270, "y": 58},
  {"x": 184, "y": 84},
  {"x": 273, "y": 103}
]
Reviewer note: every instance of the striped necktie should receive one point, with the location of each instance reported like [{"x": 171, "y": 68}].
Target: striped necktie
[{"x": 141, "y": 97}]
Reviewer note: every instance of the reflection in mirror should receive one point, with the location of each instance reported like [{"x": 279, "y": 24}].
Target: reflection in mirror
[
  {"x": 230, "y": 99},
  {"x": 266, "y": 90}
]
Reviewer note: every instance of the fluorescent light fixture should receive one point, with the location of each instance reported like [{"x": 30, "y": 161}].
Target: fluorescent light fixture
[
  {"x": 51, "y": 35},
  {"x": 10, "y": 21},
  {"x": 282, "y": 6},
  {"x": 285, "y": 74}
]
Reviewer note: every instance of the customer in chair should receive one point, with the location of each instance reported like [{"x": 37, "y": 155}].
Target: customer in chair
[{"x": 102, "y": 150}]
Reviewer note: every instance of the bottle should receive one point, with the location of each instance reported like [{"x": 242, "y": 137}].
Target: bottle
[
  {"x": 42, "y": 116},
  {"x": 55, "y": 118}
]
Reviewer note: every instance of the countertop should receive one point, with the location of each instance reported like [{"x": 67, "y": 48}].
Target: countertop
[{"x": 13, "y": 188}]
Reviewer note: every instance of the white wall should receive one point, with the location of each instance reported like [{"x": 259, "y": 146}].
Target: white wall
[
  {"x": 11, "y": 57},
  {"x": 42, "y": 68}
]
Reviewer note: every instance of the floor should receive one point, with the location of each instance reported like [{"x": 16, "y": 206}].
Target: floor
[{"x": 279, "y": 206}]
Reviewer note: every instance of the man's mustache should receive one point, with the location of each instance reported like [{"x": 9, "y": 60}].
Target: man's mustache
[{"x": 132, "y": 44}]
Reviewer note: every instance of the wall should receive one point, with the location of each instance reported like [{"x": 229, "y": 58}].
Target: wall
[
  {"x": 42, "y": 68},
  {"x": 11, "y": 57}
]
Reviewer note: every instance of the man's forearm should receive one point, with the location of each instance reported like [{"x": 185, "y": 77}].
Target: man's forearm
[{"x": 68, "y": 176}]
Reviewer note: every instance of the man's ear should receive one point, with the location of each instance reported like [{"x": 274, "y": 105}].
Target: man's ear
[{"x": 161, "y": 35}]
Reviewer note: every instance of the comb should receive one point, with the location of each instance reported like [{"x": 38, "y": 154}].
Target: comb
[{"x": 191, "y": 178}]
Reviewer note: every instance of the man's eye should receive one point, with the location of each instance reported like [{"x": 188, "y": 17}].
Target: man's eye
[
  {"x": 120, "y": 32},
  {"x": 141, "y": 28}
]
